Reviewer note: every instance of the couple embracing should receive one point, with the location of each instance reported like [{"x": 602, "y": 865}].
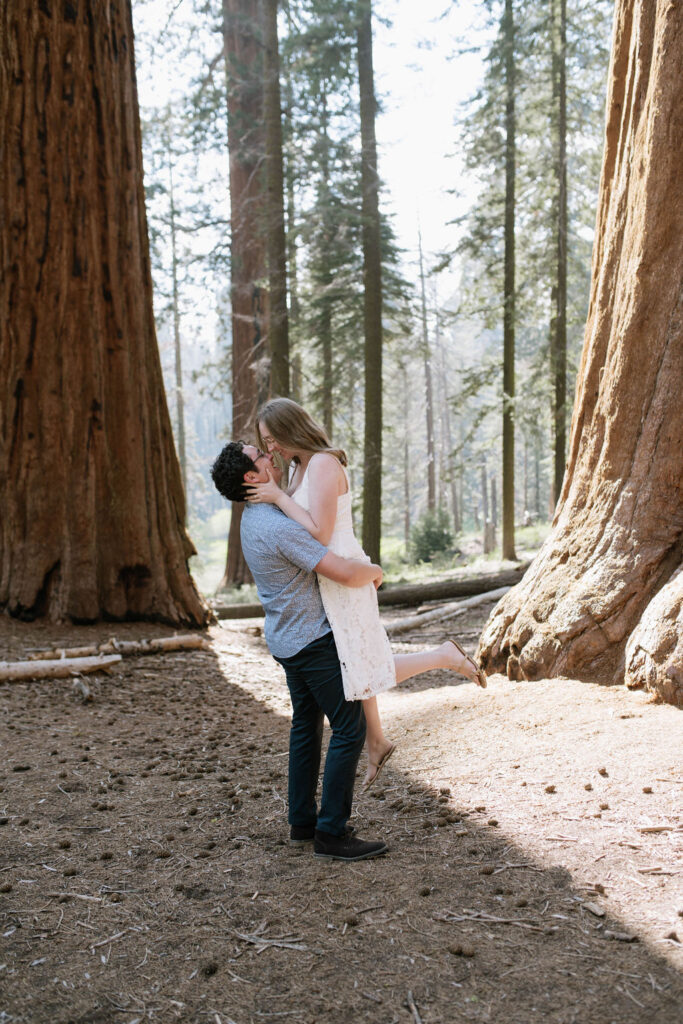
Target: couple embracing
[{"x": 318, "y": 590}]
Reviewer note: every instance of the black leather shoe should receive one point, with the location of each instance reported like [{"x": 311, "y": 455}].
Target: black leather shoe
[
  {"x": 301, "y": 834},
  {"x": 346, "y": 847}
]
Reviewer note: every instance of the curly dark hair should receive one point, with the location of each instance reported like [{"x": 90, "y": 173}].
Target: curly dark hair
[{"x": 228, "y": 471}]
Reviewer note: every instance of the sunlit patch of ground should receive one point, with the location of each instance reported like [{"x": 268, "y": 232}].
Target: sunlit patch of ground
[{"x": 145, "y": 872}]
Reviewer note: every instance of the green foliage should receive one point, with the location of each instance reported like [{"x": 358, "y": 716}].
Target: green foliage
[
  {"x": 185, "y": 136},
  {"x": 481, "y": 244},
  {"x": 322, "y": 167},
  {"x": 431, "y": 535}
]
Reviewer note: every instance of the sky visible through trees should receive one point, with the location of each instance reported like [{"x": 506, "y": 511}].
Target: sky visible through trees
[{"x": 440, "y": 140}]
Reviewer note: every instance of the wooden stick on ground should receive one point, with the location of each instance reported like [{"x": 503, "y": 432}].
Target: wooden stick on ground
[
  {"x": 444, "y": 611},
  {"x": 413, "y": 1008},
  {"x": 405, "y": 593},
  {"x": 188, "y": 641},
  {"x": 59, "y": 669}
]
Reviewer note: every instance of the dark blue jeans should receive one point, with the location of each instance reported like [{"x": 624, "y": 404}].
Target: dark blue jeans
[{"x": 315, "y": 685}]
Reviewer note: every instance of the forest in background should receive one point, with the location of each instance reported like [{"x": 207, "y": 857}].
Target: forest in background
[{"x": 448, "y": 313}]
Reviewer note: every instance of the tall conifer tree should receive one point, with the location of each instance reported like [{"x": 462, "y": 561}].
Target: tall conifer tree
[{"x": 372, "y": 285}]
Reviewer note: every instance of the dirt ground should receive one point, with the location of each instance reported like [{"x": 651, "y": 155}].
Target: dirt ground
[{"x": 534, "y": 872}]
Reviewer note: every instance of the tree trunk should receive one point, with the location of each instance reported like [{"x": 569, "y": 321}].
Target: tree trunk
[
  {"x": 92, "y": 508},
  {"x": 297, "y": 383},
  {"x": 291, "y": 234},
  {"x": 406, "y": 457},
  {"x": 596, "y": 585},
  {"x": 509, "y": 289},
  {"x": 494, "y": 506},
  {"x": 429, "y": 391},
  {"x": 179, "y": 395},
  {"x": 451, "y": 468},
  {"x": 244, "y": 73},
  {"x": 324, "y": 275},
  {"x": 558, "y": 326},
  {"x": 537, "y": 472},
  {"x": 278, "y": 328},
  {"x": 654, "y": 652},
  {"x": 488, "y": 546},
  {"x": 372, "y": 290}
]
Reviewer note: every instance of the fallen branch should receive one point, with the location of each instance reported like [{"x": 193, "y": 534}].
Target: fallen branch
[
  {"x": 105, "y": 942},
  {"x": 413, "y": 1008},
  {"x": 185, "y": 642},
  {"x": 261, "y": 942},
  {"x": 406, "y": 593},
  {"x": 480, "y": 915},
  {"x": 444, "y": 611},
  {"x": 74, "y": 896},
  {"x": 417, "y": 593},
  {"x": 18, "y": 670}
]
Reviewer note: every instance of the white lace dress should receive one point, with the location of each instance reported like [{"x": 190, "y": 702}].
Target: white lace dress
[{"x": 362, "y": 644}]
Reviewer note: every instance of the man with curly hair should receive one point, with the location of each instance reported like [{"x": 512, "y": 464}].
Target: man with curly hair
[{"x": 284, "y": 558}]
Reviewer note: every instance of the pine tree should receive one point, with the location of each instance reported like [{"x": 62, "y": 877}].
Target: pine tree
[
  {"x": 278, "y": 325},
  {"x": 372, "y": 290}
]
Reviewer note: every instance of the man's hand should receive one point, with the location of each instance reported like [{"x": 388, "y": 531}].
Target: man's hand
[
  {"x": 269, "y": 493},
  {"x": 351, "y": 572}
]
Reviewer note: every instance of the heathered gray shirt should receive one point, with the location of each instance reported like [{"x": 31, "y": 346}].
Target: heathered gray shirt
[{"x": 281, "y": 555}]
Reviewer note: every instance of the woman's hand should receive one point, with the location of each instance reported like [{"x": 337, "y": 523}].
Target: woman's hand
[{"x": 269, "y": 493}]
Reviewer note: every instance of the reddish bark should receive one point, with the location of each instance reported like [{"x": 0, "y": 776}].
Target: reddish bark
[
  {"x": 91, "y": 502},
  {"x": 246, "y": 146},
  {"x": 617, "y": 535}
]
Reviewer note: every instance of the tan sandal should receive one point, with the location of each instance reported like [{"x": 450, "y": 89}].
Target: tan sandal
[
  {"x": 380, "y": 766},
  {"x": 481, "y": 675}
]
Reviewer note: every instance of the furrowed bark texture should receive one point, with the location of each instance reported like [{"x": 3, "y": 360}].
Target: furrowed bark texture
[
  {"x": 91, "y": 502},
  {"x": 244, "y": 63},
  {"x": 618, "y": 530},
  {"x": 654, "y": 653}
]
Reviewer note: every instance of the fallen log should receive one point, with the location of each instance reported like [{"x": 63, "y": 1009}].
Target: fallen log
[
  {"x": 417, "y": 593},
  {"x": 59, "y": 669},
  {"x": 185, "y": 642},
  {"x": 444, "y": 611},
  {"x": 406, "y": 593},
  {"x": 238, "y": 611}
]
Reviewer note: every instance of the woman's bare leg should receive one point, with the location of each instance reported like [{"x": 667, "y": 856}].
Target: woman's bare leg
[
  {"x": 378, "y": 746},
  {"x": 445, "y": 656},
  {"x": 375, "y": 740},
  {"x": 407, "y": 666}
]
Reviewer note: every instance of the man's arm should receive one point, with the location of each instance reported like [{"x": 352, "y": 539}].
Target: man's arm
[{"x": 351, "y": 572}]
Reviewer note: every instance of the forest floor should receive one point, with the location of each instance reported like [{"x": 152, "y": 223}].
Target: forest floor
[{"x": 534, "y": 872}]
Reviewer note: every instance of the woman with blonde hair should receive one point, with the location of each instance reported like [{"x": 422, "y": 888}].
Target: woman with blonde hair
[{"x": 318, "y": 497}]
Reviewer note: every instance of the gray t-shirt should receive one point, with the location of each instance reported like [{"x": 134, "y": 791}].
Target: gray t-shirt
[{"x": 281, "y": 555}]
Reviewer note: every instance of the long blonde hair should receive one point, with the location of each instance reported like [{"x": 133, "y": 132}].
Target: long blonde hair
[{"x": 292, "y": 427}]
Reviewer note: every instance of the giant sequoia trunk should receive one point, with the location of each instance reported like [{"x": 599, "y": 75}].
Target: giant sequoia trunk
[
  {"x": 604, "y": 586},
  {"x": 91, "y": 502},
  {"x": 244, "y": 63}
]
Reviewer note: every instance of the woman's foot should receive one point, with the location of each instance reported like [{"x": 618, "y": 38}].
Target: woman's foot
[
  {"x": 463, "y": 664},
  {"x": 375, "y": 766}
]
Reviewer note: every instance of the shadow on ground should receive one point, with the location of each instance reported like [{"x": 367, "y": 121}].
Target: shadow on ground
[{"x": 145, "y": 875}]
